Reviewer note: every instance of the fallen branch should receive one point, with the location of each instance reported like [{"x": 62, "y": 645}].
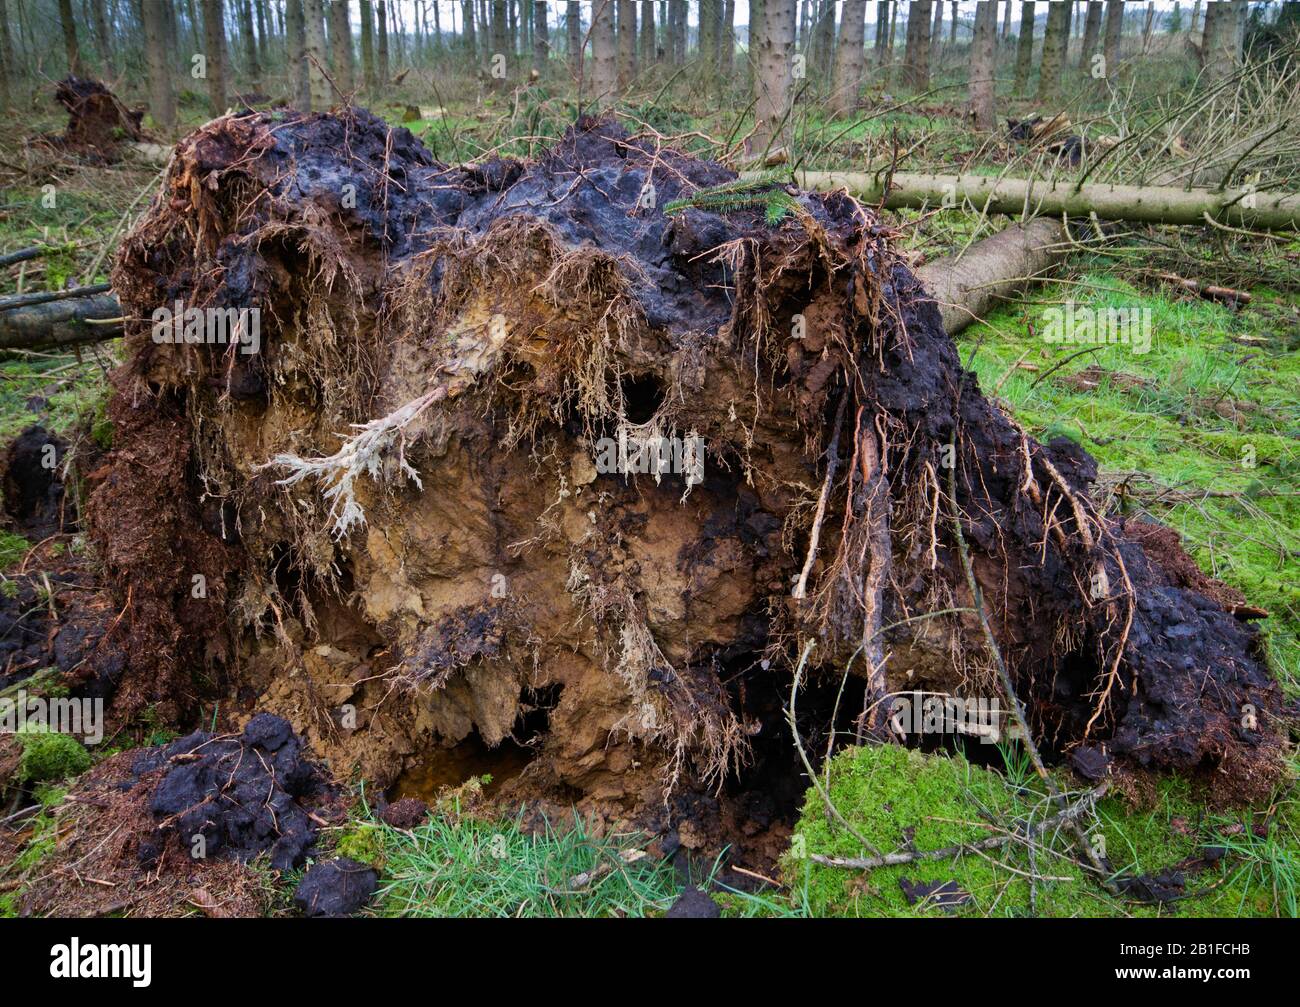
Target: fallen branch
[{"x": 1066, "y": 817}]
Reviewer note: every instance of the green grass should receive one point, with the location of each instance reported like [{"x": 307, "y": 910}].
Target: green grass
[
  {"x": 894, "y": 796},
  {"x": 1236, "y": 476},
  {"x": 463, "y": 865}
]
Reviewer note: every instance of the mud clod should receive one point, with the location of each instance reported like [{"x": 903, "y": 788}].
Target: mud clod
[
  {"x": 335, "y": 888},
  {"x": 236, "y": 796}
]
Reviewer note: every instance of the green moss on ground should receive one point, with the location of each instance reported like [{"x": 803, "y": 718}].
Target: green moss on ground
[
  {"x": 50, "y": 756},
  {"x": 899, "y": 799}
]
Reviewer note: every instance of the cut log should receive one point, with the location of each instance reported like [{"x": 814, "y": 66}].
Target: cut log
[{"x": 1151, "y": 204}]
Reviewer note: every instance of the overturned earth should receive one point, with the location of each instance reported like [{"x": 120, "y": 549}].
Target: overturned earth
[{"x": 382, "y": 506}]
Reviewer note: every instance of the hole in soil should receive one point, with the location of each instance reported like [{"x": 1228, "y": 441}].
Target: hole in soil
[
  {"x": 642, "y": 397},
  {"x": 451, "y": 767}
]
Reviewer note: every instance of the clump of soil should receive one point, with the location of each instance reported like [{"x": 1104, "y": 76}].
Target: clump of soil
[
  {"x": 99, "y": 125},
  {"x": 335, "y": 888},
  {"x": 54, "y": 610},
  {"x": 406, "y": 537},
  {"x": 235, "y": 797}
]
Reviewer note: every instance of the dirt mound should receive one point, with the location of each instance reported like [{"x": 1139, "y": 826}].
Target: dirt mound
[
  {"x": 235, "y": 797},
  {"x": 99, "y": 125},
  {"x": 431, "y": 507}
]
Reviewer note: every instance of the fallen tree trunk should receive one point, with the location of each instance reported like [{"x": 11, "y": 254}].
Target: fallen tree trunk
[
  {"x": 496, "y": 546},
  {"x": 965, "y": 287},
  {"x": 63, "y": 322},
  {"x": 1138, "y": 203}
]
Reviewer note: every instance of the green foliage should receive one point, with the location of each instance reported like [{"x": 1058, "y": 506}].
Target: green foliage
[
  {"x": 743, "y": 194},
  {"x": 12, "y": 550},
  {"x": 48, "y": 755}
]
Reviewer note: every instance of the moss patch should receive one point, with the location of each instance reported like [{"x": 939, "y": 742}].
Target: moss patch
[{"x": 900, "y": 799}]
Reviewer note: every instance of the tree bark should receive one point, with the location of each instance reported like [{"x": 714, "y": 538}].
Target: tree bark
[
  {"x": 467, "y": 39},
  {"x": 296, "y": 40},
  {"x": 368, "y": 41},
  {"x": 1151, "y": 204},
  {"x": 1219, "y": 43},
  {"x": 626, "y": 29},
  {"x": 916, "y": 55},
  {"x": 647, "y": 37},
  {"x": 341, "y": 49},
  {"x": 604, "y": 53},
  {"x": 992, "y": 270},
  {"x": 162, "y": 100},
  {"x": 214, "y": 41},
  {"x": 314, "y": 33},
  {"x": 103, "y": 44},
  {"x": 823, "y": 38},
  {"x": 981, "y": 65},
  {"x": 1114, "y": 36},
  {"x": 1055, "y": 37},
  {"x": 70, "y": 47},
  {"x": 1091, "y": 35},
  {"x": 252, "y": 68},
  {"x": 772, "y": 82},
  {"x": 381, "y": 61},
  {"x": 60, "y": 323},
  {"x": 573, "y": 38},
  {"x": 849, "y": 58},
  {"x": 936, "y": 33},
  {"x": 1025, "y": 48},
  {"x": 541, "y": 36}
]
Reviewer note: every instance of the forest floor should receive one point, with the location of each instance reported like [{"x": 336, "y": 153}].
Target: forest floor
[{"x": 1202, "y": 433}]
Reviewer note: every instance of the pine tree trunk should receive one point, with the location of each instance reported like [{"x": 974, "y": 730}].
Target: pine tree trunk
[
  {"x": 214, "y": 42},
  {"x": 296, "y": 37},
  {"x": 8, "y": 72},
  {"x": 162, "y": 100},
  {"x": 1025, "y": 48},
  {"x": 1114, "y": 36},
  {"x": 1055, "y": 37},
  {"x": 341, "y": 49},
  {"x": 604, "y": 53},
  {"x": 849, "y": 58},
  {"x": 252, "y": 68},
  {"x": 773, "y": 80},
  {"x": 381, "y": 62},
  {"x": 1091, "y": 35},
  {"x": 727, "y": 40},
  {"x": 102, "y": 42},
  {"x": 469, "y": 40},
  {"x": 573, "y": 38},
  {"x": 263, "y": 35},
  {"x": 936, "y": 33},
  {"x": 314, "y": 34},
  {"x": 918, "y": 56},
  {"x": 626, "y": 29},
  {"x": 981, "y": 64},
  {"x": 70, "y": 47},
  {"x": 1006, "y": 22},
  {"x": 824, "y": 39},
  {"x": 541, "y": 36}
]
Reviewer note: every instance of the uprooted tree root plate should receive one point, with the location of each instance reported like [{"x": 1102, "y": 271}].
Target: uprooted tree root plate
[{"x": 394, "y": 523}]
